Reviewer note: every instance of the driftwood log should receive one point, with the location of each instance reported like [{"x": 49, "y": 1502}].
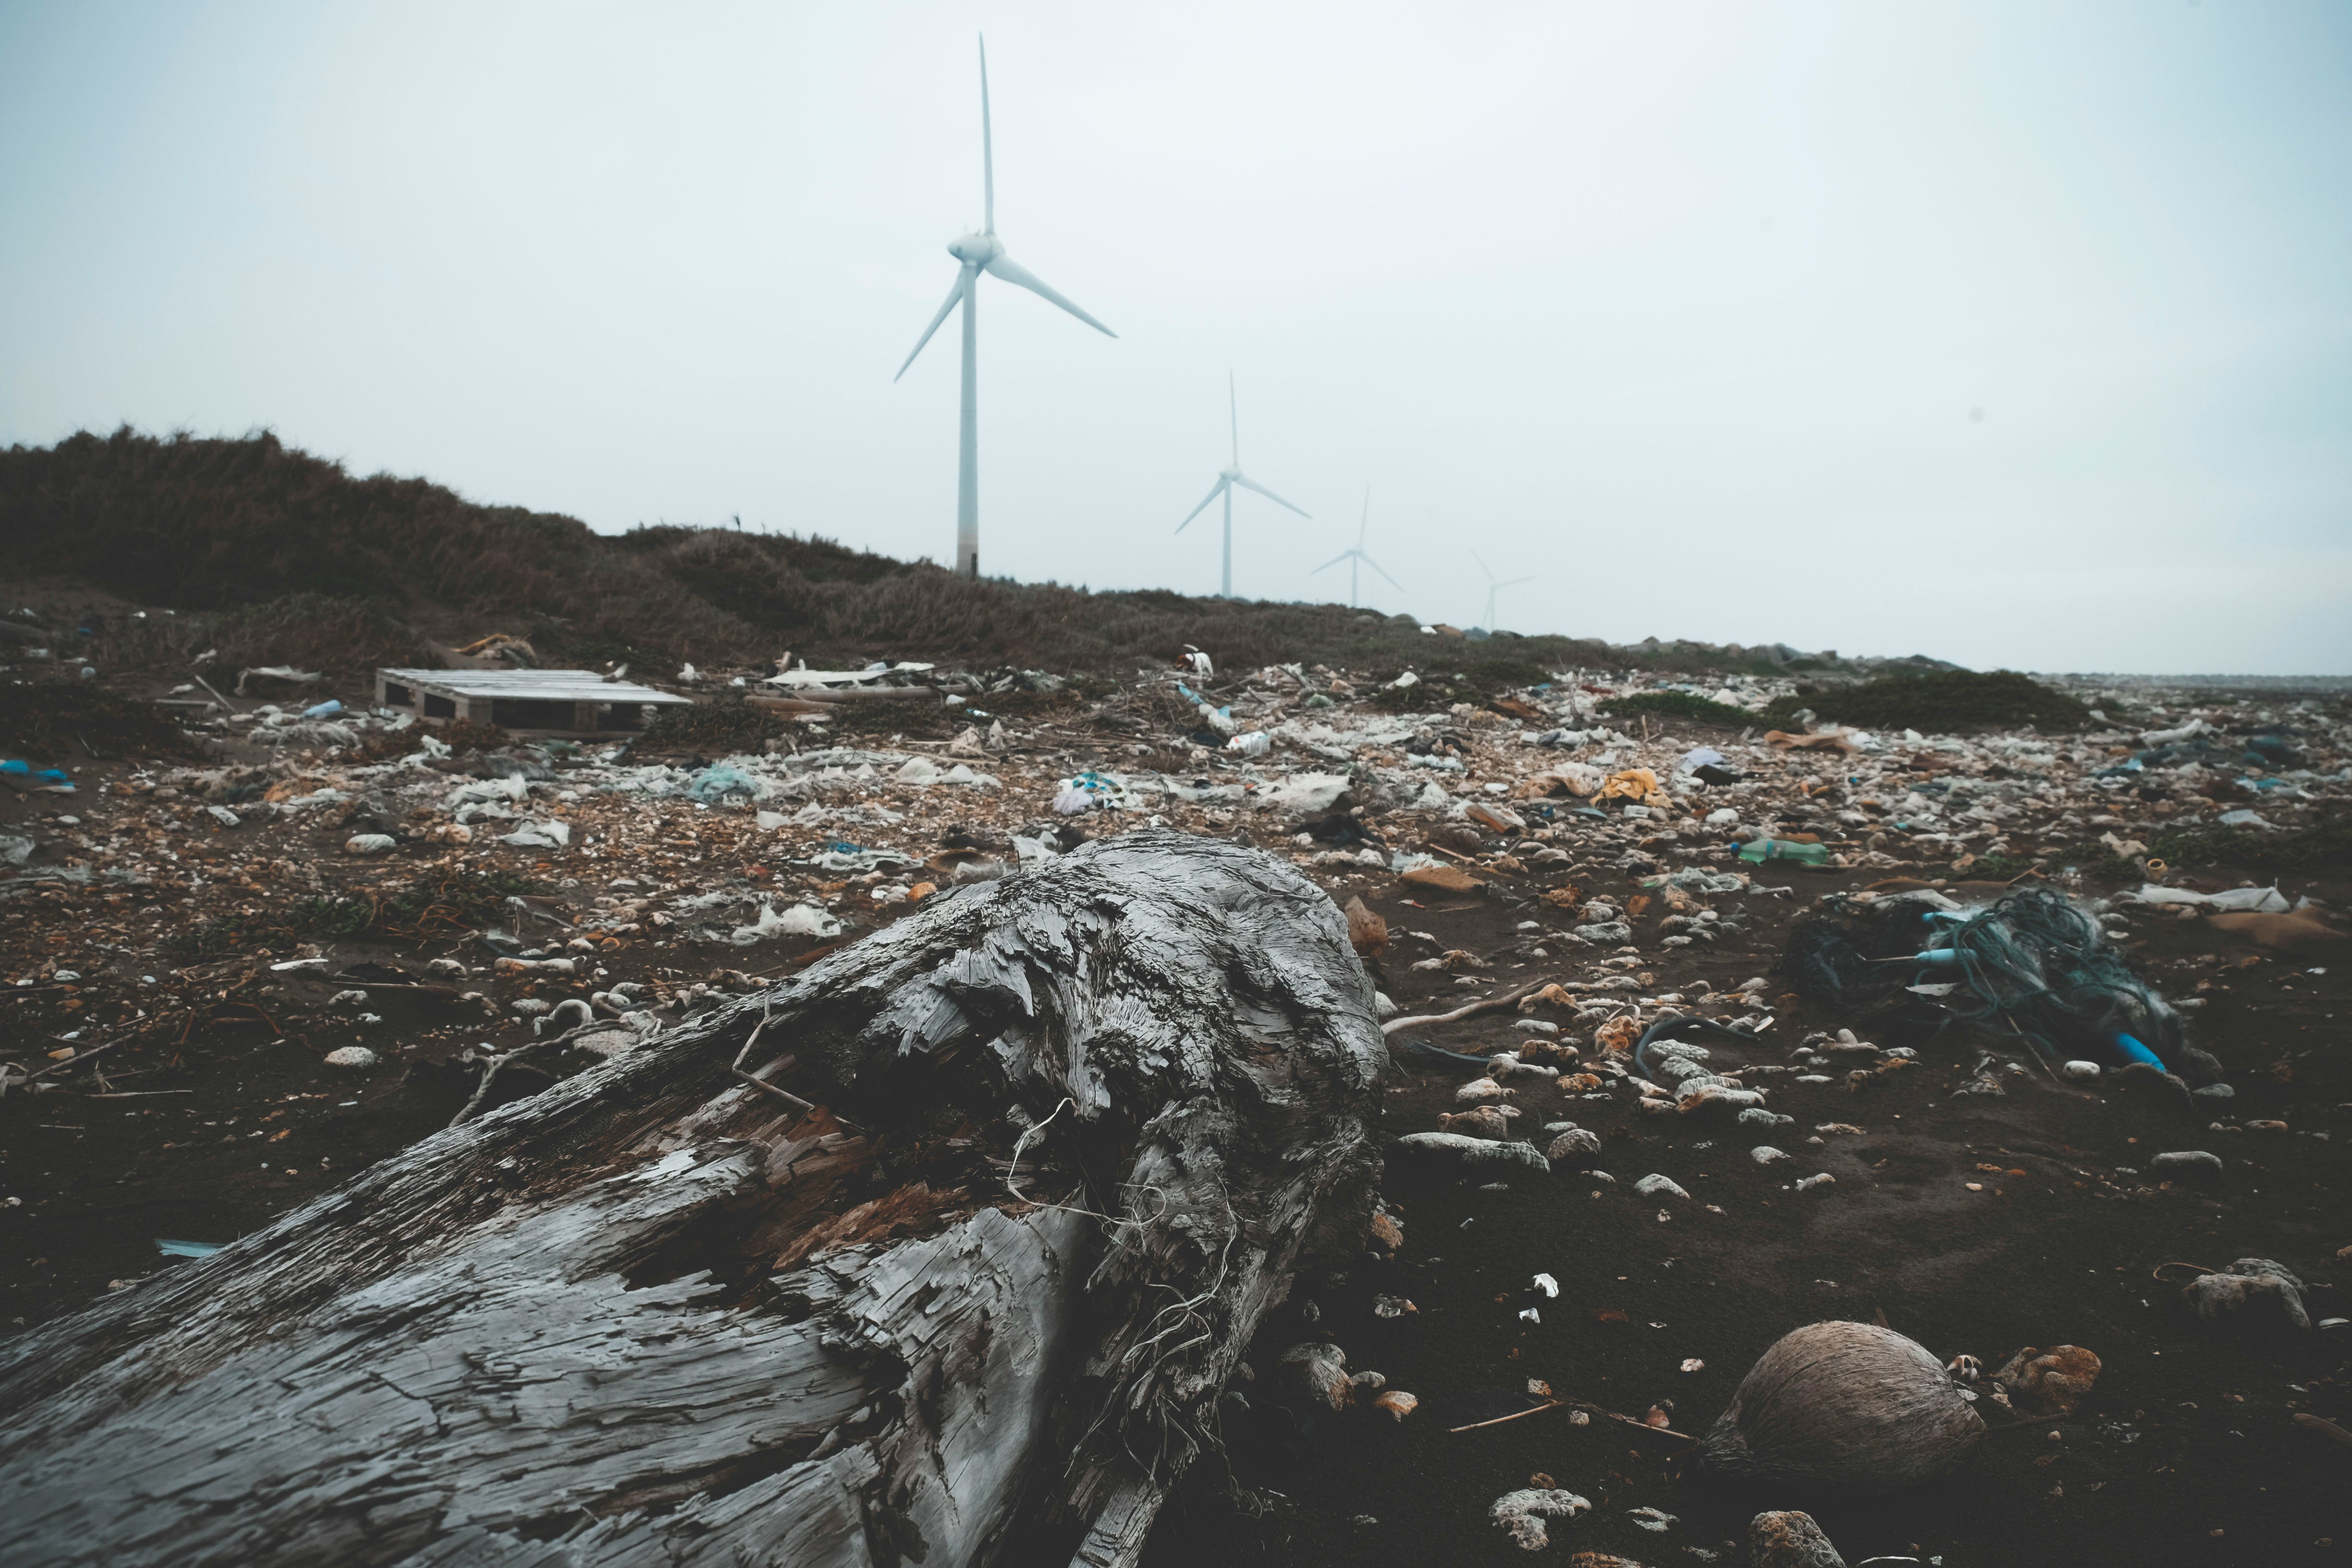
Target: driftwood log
[{"x": 968, "y": 1295}]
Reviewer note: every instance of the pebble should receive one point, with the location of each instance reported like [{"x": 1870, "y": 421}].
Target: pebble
[
  {"x": 369, "y": 844},
  {"x": 1575, "y": 1143},
  {"x": 2079, "y": 1072},
  {"x": 1522, "y": 1514},
  {"x": 1807, "y": 1183},
  {"x": 1790, "y": 1540},
  {"x": 1655, "y": 1185},
  {"x": 2215, "y": 1092},
  {"x": 1764, "y": 1154},
  {"x": 2190, "y": 1164},
  {"x": 351, "y": 1057}
]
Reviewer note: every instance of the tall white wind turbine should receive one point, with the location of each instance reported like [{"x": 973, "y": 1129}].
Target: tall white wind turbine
[
  {"x": 1493, "y": 588},
  {"x": 1227, "y": 478},
  {"x": 1356, "y": 557},
  {"x": 979, "y": 253}
]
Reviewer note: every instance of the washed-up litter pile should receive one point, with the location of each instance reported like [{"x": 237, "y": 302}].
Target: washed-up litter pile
[{"x": 1571, "y": 905}]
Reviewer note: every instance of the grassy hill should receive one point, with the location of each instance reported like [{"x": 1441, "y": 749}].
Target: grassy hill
[{"x": 274, "y": 555}]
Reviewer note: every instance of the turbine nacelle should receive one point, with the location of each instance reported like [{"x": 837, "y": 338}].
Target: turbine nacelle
[
  {"x": 1230, "y": 473},
  {"x": 976, "y": 249}
]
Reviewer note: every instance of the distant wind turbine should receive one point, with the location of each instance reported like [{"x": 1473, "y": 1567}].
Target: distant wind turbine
[
  {"x": 1493, "y": 588},
  {"x": 1227, "y": 478},
  {"x": 979, "y": 253},
  {"x": 1356, "y": 557}
]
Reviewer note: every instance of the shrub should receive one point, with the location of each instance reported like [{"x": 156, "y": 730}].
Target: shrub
[
  {"x": 1678, "y": 705},
  {"x": 1942, "y": 699}
]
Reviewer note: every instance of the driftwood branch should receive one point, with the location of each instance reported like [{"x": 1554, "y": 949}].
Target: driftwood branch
[
  {"x": 1487, "y": 1004},
  {"x": 653, "y": 1315}
]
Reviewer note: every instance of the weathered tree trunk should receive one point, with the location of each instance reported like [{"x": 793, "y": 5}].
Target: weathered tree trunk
[{"x": 662, "y": 1314}]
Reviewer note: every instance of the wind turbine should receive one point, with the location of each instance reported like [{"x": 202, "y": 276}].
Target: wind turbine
[
  {"x": 1493, "y": 588},
  {"x": 1227, "y": 478},
  {"x": 1356, "y": 557},
  {"x": 979, "y": 253}
]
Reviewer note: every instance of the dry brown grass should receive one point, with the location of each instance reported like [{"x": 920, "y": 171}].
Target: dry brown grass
[{"x": 288, "y": 559}]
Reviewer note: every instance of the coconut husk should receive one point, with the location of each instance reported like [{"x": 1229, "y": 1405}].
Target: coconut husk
[{"x": 1844, "y": 1406}]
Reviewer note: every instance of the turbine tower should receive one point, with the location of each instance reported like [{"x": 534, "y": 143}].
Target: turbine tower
[
  {"x": 979, "y": 253},
  {"x": 1356, "y": 557},
  {"x": 1227, "y": 478},
  {"x": 1493, "y": 588}
]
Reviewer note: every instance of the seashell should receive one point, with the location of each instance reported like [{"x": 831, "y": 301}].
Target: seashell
[{"x": 1849, "y": 1407}]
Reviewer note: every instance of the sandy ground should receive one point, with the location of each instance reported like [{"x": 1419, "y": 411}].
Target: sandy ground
[{"x": 1974, "y": 1222}]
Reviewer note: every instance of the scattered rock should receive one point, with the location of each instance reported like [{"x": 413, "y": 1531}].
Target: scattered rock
[
  {"x": 1525, "y": 1515},
  {"x": 1790, "y": 1540},
  {"x": 354, "y": 1056},
  {"x": 2049, "y": 1383},
  {"x": 2252, "y": 1288},
  {"x": 1313, "y": 1377},
  {"x": 2188, "y": 1166},
  {"x": 1480, "y": 1122},
  {"x": 1474, "y": 1154},
  {"x": 1396, "y": 1404},
  {"x": 1655, "y": 1185},
  {"x": 1575, "y": 1145}
]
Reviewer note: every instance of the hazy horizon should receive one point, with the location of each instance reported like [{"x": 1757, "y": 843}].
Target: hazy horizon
[{"x": 2013, "y": 335}]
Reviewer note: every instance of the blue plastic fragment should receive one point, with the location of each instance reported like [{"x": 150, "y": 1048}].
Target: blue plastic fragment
[{"x": 2133, "y": 1051}]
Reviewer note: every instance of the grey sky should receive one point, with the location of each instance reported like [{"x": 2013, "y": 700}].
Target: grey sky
[{"x": 1683, "y": 309}]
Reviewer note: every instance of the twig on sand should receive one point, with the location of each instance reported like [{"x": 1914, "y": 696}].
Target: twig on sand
[
  {"x": 1490, "y": 1004},
  {"x": 1576, "y": 1405}
]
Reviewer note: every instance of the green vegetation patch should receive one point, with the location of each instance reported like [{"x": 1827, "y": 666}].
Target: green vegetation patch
[
  {"x": 53, "y": 720},
  {"x": 1944, "y": 699},
  {"x": 1678, "y": 705},
  {"x": 723, "y": 724},
  {"x": 441, "y": 905},
  {"x": 1488, "y": 676},
  {"x": 2324, "y": 845}
]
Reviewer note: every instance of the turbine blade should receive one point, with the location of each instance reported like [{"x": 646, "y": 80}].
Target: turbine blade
[
  {"x": 1514, "y": 582},
  {"x": 1483, "y": 566},
  {"x": 962, "y": 282},
  {"x": 1367, "y": 522},
  {"x": 1214, "y": 491},
  {"x": 1376, "y": 566},
  {"x": 987, "y": 142},
  {"x": 1233, "y": 407},
  {"x": 1334, "y": 562},
  {"x": 1247, "y": 483},
  {"x": 1012, "y": 272}
]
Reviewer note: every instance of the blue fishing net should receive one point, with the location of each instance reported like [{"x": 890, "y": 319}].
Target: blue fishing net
[{"x": 2029, "y": 965}]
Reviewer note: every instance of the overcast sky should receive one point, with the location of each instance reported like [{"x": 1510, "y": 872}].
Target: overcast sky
[{"x": 2012, "y": 333}]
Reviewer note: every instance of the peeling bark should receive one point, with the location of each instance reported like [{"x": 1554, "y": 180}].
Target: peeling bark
[{"x": 660, "y": 1314}]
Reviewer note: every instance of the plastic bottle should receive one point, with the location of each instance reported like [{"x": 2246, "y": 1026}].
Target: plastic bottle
[{"x": 1756, "y": 851}]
